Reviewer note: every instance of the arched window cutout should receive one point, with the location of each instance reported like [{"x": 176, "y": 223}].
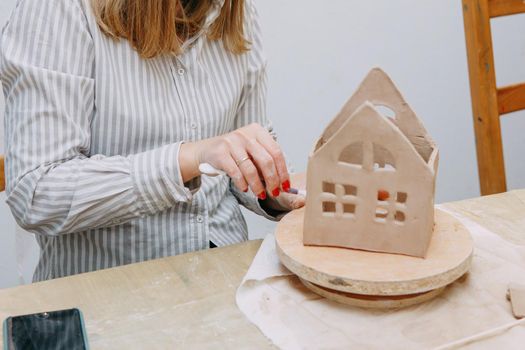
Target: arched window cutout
[
  {"x": 386, "y": 111},
  {"x": 383, "y": 159},
  {"x": 352, "y": 154}
]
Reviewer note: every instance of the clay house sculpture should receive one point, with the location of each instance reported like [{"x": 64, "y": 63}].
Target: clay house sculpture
[{"x": 371, "y": 176}]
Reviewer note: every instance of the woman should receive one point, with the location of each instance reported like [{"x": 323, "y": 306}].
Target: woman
[{"x": 111, "y": 105}]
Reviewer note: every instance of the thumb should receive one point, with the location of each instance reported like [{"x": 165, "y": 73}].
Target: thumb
[{"x": 292, "y": 201}]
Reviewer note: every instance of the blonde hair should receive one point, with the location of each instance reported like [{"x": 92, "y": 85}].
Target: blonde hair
[{"x": 157, "y": 27}]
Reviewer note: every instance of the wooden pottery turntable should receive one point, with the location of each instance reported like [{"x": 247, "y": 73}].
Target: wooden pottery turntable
[
  {"x": 371, "y": 279},
  {"x": 369, "y": 235}
]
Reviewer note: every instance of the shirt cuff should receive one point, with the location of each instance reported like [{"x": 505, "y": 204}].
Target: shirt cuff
[
  {"x": 252, "y": 203},
  {"x": 158, "y": 181}
]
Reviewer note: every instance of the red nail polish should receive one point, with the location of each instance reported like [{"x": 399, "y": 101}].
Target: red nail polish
[
  {"x": 262, "y": 195},
  {"x": 245, "y": 190},
  {"x": 286, "y": 186},
  {"x": 276, "y": 192}
]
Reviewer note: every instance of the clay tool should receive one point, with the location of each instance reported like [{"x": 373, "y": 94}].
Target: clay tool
[
  {"x": 297, "y": 191},
  {"x": 516, "y": 296}
]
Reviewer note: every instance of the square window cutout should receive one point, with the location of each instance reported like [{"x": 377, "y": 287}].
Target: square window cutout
[
  {"x": 349, "y": 208},
  {"x": 328, "y": 207},
  {"x": 381, "y": 213},
  {"x": 350, "y": 190},
  {"x": 328, "y": 187},
  {"x": 401, "y": 197},
  {"x": 400, "y": 216},
  {"x": 382, "y": 195}
]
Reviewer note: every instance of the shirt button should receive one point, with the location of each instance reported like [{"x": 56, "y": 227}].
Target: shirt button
[
  {"x": 193, "y": 125},
  {"x": 200, "y": 218},
  {"x": 180, "y": 71}
]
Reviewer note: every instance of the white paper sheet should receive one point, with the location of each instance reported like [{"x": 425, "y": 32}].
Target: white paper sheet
[{"x": 292, "y": 317}]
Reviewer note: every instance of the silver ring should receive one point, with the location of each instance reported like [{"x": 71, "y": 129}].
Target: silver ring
[{"x": 238, "y": 162}]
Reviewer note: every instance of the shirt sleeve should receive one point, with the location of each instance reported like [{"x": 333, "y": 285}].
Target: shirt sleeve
[
  {"x": 252, "y": 108},
  {"x": 54, "y": 184}
]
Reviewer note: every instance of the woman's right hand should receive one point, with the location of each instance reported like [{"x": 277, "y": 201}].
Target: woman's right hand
[{"x": 246, "y": 155}]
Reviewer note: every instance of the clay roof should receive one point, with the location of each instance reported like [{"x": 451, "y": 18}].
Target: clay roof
[{"x": 378, "y": 89}]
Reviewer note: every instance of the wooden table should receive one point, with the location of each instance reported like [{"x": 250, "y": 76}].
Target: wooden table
[
  {"x": 185, "y": 301},
  {"x": 188, "y": 301}
]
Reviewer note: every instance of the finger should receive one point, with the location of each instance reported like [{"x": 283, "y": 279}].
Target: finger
[
  {"x": 273, "y": 148},
  {"x": 233, "y": 171},
  {"x": 265, "y": 165},
  {"x": 251, "y": 175},
  {"x": 248, "y": 170}
]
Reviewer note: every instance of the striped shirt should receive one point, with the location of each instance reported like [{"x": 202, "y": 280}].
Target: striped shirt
[{"x": 93, "y": 133}]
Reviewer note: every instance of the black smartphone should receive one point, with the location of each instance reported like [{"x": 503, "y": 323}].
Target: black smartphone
[{"x": 63, "y": 329}]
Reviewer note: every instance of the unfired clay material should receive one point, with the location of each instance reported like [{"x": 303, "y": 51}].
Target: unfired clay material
[
  {"x": 371, "y": 177},
  {"x": 516, "y": 295}
]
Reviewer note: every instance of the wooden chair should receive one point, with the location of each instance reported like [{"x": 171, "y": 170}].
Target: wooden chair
[{"x": 488, "y": 101}]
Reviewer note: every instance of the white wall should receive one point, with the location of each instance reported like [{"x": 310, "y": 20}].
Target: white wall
[{"x": 318, "y": 53}]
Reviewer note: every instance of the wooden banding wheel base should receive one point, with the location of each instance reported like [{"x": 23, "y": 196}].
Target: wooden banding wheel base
[{"x": 376, "y": 280}]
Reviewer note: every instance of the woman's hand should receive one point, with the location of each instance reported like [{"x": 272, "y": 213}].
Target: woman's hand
[
  {"x": 249, "y": 155},
  {"x": 285, "y": 202}
]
